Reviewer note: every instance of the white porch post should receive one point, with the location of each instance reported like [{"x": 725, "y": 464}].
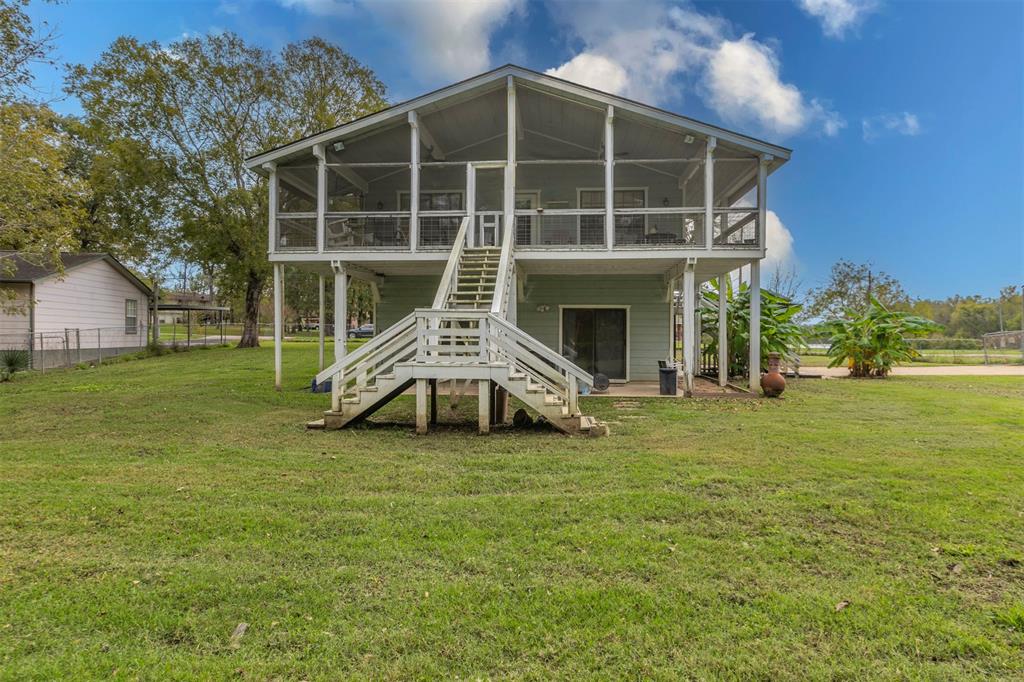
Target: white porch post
[
  {"x": 755, "y": 325},
  {"x": 709, "y": 193},
  {"x": 510, "y": 160},
  {"x": 271, "y": 169},
  {"x": 688, "y": 336},
  {"x": 471, "y": 204},
  {"x": 609, "y": 178},
  {"x": 322, "y": 324},
  {"x": 723, "y": 329},
  {"x": 697, "y": 328},
  {"x": 421, "y": 406},
  {"x": 340, "y": 311},
  {"x": 484, "y": 406},
  {"x": 414, "y": 181},
  {"x": 320, "y": 152},
  {"x": 278, "y": 321},
  {"x": 762, "y": 200}
]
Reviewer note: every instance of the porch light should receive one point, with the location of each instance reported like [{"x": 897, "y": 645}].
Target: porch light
[
  {"x": 338, "y": 146},
  {"x": 688, "y": 139}
]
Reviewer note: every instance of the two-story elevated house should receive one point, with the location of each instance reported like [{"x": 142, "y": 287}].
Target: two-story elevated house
[{"x": 521, "y": 231}]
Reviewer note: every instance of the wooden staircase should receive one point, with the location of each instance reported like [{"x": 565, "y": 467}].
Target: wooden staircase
[
  {"x": 476, "y": 279},
  {"x": 465, "y": 336}
]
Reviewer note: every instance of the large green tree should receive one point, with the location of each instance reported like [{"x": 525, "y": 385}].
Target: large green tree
[
  {"x": 851, "y": 286},
  {"x": 200, "y": 107}
]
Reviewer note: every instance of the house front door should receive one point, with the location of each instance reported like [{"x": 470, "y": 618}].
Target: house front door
[{"x": 596, "y": 340}]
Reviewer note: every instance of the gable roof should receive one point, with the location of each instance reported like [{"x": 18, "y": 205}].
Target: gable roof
[
  {"x": 584, "y": 92},
  {"x": 28, "y": 271}
]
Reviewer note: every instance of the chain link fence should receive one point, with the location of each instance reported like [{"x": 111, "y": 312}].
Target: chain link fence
[{"x": 67, "y": 348}]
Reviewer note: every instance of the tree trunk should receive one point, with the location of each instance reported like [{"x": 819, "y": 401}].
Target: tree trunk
[{"x": 250, "y": 328}]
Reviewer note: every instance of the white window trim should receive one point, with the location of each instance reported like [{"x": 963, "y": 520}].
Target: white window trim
[
  {"x": 603, "y": 306},
  {"x": 132, "y": 329}
]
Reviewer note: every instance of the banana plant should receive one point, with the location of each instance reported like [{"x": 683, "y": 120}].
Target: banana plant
[
  {"x": 779, "y": 332},
  {"x": 870, "y": 344}
]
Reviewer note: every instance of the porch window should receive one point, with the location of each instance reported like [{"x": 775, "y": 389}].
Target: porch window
[
  {"x": 628, "y": 228},
  {"x": 437, "y": 230},
  {"x": 131, "y": 316}
]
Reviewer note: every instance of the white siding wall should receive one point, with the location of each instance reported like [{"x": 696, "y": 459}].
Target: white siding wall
[
  {"x": 89, "y": 297},
  {"x": 16, "y": 320}
]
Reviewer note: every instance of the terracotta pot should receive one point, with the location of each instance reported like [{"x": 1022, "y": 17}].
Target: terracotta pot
[{"x": 772, "y": 381}]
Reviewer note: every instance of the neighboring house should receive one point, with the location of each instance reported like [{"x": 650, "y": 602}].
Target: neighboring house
[
  {"x": 538, "y": 227},
  {"x": 174, "y": 306},
  {"x": 95, "y": 302}
]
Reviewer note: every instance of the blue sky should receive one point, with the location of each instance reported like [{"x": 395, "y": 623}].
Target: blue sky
[{"x": 906, "y": 119}]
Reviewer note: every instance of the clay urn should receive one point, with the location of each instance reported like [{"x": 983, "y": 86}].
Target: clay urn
[{"x": 772, "y": 381}]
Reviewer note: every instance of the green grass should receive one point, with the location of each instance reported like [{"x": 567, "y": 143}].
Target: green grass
[{"x": 149, "y": 507}]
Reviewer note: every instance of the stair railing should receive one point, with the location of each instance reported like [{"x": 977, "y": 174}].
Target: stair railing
[
  {"x": 450, "y": 277},
  {"x": 378, "y": 356},
  {"x": 540, "y": 363},
  {"x": 503, "y": 278}
]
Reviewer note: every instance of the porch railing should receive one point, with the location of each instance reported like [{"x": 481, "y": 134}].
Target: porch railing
[
  {"x": 646, "y": 228},
  {"x": 360, "y": 231},
  {"x": 559, "y": 228}
]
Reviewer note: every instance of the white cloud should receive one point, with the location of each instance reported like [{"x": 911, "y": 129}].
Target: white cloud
[
  {"x": 447, "y": 39},
  {"x": 838, "y": 16},
  {"x": 744, "y": 84},
  {"x": 904, "y": 123},
  {"x": 594, "y": 71},
  {"x": 779, "y": 252},
  {"x": 652, "y": 52}
]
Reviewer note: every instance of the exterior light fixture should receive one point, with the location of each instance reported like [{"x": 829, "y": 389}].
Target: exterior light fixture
[
  {"x": 380, "y": 205},
  {"x": 664, "y": 202},
  {"x": 688, "y": 139},
  {"x": 338, "y": 146}
]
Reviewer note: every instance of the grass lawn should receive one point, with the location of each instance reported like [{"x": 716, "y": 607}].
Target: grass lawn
[
  {"x": 151, "y": 506},
  {"x": 1005, "y": 356}
]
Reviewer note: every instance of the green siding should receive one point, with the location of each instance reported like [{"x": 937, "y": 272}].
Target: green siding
[
  {"x": 399, "y": 296},
  {"x": 644, "y": 294}
]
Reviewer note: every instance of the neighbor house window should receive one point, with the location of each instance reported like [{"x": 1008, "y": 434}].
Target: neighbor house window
[{"x": 131, "y": 316}]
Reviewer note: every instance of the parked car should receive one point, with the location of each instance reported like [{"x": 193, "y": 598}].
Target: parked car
[{"x": 363, "y": 332}]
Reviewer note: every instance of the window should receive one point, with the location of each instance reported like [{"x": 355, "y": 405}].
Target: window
[
  {"x": 629, "y": 229},
  {"x": 131, "y": 316},
  {"x": 435, "y": 201}
]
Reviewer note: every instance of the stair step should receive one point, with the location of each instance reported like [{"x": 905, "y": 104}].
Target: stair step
[{"x": 369, "y": 389}]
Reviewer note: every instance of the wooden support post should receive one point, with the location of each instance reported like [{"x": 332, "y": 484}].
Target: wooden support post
[
  {"x": 322, "y": 322},
  {"x": 433, "y": 402},
  {"x": 471, "y": 204},
  {"x": 688, "y": 336},
  {"x": 484, "y": 411},
  {"x": 421, "y": 406},
  {"x": 320, "y": 152},
  {"x": 340, "y": 311},
  {"x": 271, "y": 169},
  {"x": 510, "y": 161},
  {"x": 414, "y": 181},
  {"x": 278, "y": 321},
  {"x": 501, "y": 410},
  {"x": 755, "y": 325},
  {"x": 709, "y": 193},
  {"x": 698, "y": 329},
  {"x": 723, "y": 329},
  {"x": 762, "y": 200},
  {"x": 609, "y": 178}
]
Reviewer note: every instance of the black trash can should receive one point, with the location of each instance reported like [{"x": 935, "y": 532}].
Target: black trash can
[{"x": 669, "y": 379}]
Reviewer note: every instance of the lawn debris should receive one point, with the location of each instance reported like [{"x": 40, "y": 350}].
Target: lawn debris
[
  {"x": 842, "y": 605},
  {"x": 236, "y": 636}
]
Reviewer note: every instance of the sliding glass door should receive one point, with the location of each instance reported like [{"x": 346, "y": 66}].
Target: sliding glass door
[{"x": 595, "y": 339}]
